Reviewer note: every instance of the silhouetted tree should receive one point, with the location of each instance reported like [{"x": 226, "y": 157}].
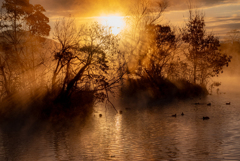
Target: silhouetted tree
[
  {"x": 202, "y": 49},
  {"x": 16, "y": 10},
  {"x": 37, "y": 22},
  {"x": 143, "y": 14},
  {"x": 68, "y": 36},
  {"x": 162, "y": 44},
  {"x": 18, "y": 15},
  {"x": 22, "y": 24},
  {"x": 88, "y": 59}
]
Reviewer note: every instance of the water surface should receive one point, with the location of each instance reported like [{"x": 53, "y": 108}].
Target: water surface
[{"x": 141, "y": 132}]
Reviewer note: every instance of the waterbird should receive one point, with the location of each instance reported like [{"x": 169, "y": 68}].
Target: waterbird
[
  {"x": 182, "y": 114},
  {"x": 120, "y": 112},
  {"x": 209, "y": 104},
  {"x": 228, "y": 103},
  {"x": 174, "y": 115},
  {"x": 100, "y": 115},
  {"x": 197, "y": 103},
  {"x": 205, "y": 118}
]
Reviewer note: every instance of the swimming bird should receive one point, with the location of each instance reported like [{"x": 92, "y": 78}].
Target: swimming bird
[
  {"x": 209, "y": 104},
  {"x": 100, "y": 115},
  {"x": 197, "y": 103},
  {"x": 205, "y": 118},
  {"x": 228, "y": 103},
  {"x": 174, "y": 115},
  {"x": 182, "y": 114}
]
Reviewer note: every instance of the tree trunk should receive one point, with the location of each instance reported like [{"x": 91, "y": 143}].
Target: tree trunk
[
  {"x": 55, "y": 73},
  {"x": 194, "y": 73},
  {"x": 71, "y": 83},
  {"x": 6, "y": 86},
  {"x": 66, "y": 79},
  {"x": 195, "y": 67}
]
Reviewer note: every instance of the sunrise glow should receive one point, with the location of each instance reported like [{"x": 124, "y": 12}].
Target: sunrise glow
[{"x": 116, "y": 23}]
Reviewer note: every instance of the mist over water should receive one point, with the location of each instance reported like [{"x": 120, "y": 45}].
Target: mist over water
[
  {"x": 141, "y": 132},
  {"x": 53, "y": 118},
  {"x": 229, "y": 84}
]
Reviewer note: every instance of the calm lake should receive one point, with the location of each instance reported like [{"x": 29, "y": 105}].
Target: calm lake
[{"x": 141, "y": 132}]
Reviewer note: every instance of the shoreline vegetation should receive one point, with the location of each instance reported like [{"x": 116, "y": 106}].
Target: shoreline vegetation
[
  {"x": 82, "y": 65},
  {"x": 165, "y": 91}
]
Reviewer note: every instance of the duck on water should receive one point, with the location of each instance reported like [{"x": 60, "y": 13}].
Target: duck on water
[{"x": 206, "y": 118}]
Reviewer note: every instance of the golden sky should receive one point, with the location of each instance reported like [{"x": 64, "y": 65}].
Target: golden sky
[{"x": 221, "y": 16}]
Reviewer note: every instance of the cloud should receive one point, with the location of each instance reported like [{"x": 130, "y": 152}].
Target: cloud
[
  {"x": 228, "y": 22},
  {"x": 98, "y": 7},
  {"x": 230, "y": 26},
  {"x": 225, "y": 19},
  {"x": 223, "y": 24},
  {"x": 83, "y": 7},
  {"x": 91, "y": 8},
  {"x": 184, "y": 4}
]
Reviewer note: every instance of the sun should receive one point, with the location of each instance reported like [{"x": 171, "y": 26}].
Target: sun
[{"x": 116, "y": 23}]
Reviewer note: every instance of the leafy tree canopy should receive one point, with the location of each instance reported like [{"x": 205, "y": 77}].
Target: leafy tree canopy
[
  {"x": 203, "y": 49},
  {"x": 21, "y": 15}
]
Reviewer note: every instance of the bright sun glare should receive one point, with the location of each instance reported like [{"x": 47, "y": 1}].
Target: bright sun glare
[{"x": 117, "y": 23}]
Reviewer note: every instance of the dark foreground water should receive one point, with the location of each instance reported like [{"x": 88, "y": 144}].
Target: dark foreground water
[{"x": 139, "y": 133}]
